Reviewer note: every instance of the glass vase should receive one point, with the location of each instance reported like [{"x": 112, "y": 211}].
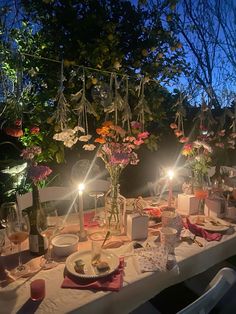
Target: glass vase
[
  {"x": 201, "y": 192},
  {"x": 115, "y": 205}
]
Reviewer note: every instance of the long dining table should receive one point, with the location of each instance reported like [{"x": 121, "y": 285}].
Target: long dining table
[{"x": 138, "y": 287}]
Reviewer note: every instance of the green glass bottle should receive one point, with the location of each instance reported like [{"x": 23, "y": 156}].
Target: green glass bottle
[{"x": 37, "y": 243}]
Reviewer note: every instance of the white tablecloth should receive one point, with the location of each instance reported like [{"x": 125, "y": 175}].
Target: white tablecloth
[{"x": 137, "y": 289}]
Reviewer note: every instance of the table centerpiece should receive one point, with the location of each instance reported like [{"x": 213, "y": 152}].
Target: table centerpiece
[{"x": 117, "y": 150}]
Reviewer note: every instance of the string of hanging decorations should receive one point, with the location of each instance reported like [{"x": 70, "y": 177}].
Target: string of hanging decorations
[{"x": 113, "y": 97}]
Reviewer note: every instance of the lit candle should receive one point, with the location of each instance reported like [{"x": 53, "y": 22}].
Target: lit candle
[
  {"x": 170, "y": 176},
  {"x": 82, "y": 232}
]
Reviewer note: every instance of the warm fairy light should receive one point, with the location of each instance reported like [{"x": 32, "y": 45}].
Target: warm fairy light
[{"x": 81, "y": 187}]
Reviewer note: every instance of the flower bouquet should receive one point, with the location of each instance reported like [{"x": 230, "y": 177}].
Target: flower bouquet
[
  {"x": 117, "y": 150},
  {"x": 199, "y": 161}
]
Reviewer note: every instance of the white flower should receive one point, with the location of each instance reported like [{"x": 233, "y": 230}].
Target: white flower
[
  {"x": 198, "y": 144},
  {"x": 85, "y": 138},
  {"x": 79, "y": 128},
  {"x": 63, "y": 135},
  {"x": 69, "y": 137},
  {"x": 70, "y": 142},
  {"x": 198, "y": 158},
  {"x": 89, "y": 147}
]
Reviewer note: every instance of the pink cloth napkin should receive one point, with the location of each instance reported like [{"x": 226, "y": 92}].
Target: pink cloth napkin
[
  {"x": 88, "y": 220},
  {"x": 112, "y": 282},
  {"x": 198, "y": 231}
]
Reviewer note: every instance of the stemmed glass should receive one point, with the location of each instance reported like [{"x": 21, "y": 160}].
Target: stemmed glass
[
  {"x": 48, "y": 225},
  {"x": 17, "y": 231},
  {"x": 96, "y": 195}
]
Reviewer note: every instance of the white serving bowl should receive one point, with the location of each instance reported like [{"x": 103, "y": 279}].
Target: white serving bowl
[{"x": 65, "y": 244}]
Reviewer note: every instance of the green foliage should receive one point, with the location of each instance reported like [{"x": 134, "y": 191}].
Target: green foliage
[{"x": 108, "y": 35}]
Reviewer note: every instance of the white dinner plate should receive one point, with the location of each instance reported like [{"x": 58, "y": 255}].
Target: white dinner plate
[
  {"x": 210, "y": 224},
  {"x": 90, "y": 271}
]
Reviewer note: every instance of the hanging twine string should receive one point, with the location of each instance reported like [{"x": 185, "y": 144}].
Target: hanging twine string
[
  {"x": 127, "y": 114},
  {"x": 85, "y": 67},
  {"x": 84, "y": 112},
  {"x": 140, "y": 106},
  {"x": 115, "y": 103}
]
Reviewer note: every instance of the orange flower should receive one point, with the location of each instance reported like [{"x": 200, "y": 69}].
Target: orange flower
[
  {"x": 107, "y": 123},
  {"x": 100, "y": 140},
  {"x": 187, "y": 149},
  {"x": 103, "y": 131},
  {"x": 15, "y": 132},
  {"x": 178, "y": 133}
]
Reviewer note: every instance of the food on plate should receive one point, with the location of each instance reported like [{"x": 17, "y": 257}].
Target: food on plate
[
  {"x": 102, "y": 266},
  {"x": 80, "y": 266},
  {"x": 96, "y": 259},
  {"x": 152, "y": 211}
]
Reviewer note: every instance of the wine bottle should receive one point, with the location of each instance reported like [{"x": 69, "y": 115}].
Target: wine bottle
[{"x": 37, "y": 243}]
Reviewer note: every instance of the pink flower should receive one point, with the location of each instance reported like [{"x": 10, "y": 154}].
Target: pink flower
[
  {"x": 129, "y": 139},
  {"x": 173, "y": 126},
  {"x": 138, "y": 142},
  {"x": 38, "y": 173},
  {"x": 136, "y": 125},
  {"x": 184, "y": 139},
  {"x": 143, "y": 135},
  {"x": 221, "y": 145},
  {"x": 34, "y": 130},
  {"x": 18, "y": 122},
  {"x": 118, "y": 129},
  {"x": 178, "y": 133},
  {"x": 30, "y": 152}
]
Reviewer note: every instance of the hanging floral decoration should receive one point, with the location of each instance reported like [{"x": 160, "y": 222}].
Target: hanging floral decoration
[
  {"x": 62, "y": 111},
  {"x": 141, "y": 109},
  {"x": 178, "y": 125},
  {"x": 70, "y": 137}
]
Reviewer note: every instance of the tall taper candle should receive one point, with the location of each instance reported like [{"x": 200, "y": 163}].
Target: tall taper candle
[
  {"x": 170, "y": 178},
  {"x": 82, "y": 232}
]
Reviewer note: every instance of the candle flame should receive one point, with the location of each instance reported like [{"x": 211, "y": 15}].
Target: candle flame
[
  {"x": 81, "y": 187},
  {"x": 170, "y": 174}
]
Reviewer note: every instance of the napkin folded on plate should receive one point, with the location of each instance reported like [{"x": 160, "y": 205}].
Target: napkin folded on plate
[
  {"x": 198, "y": 231},
  {"x": 112, "y": 282}
]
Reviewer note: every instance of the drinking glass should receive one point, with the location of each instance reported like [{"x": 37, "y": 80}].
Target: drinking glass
[
  {"x": 96, "y": 195},
  {"x": 17, "y": 231},
  {"x": 49, "y": 224}
]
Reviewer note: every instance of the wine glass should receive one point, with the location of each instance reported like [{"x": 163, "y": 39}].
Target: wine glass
[
  {"x": 48, "y": 224},
  {"x": 17, "y": 231},
  {"x": 96, "y": 195}
]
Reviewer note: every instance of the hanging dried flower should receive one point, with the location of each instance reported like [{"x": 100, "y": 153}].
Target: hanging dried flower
[
  {"x": 89, "y": 147},
  {"x": 173, "y": 126},
  {"x": 184, "y": 139},
  {"x": 178, "y": 133}
]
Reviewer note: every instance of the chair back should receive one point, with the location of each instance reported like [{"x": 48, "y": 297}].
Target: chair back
[
  {"x": 216, "y": 289},
  {"x": 47, "y": 194},
  {"x": 98, "y": 185}
]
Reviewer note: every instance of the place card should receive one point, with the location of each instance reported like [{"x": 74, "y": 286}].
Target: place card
[
  {"x": 187, "y": 204},
  {"x": 137, "y": 226}
]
